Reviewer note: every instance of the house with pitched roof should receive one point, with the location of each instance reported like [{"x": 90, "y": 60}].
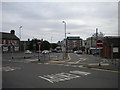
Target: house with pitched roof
[{"x": 9, "y": 42}]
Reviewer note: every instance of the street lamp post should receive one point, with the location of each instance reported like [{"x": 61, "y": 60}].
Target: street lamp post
[
  {"x": 65, "y": 38},
  {"x": 20, "y": 36}
]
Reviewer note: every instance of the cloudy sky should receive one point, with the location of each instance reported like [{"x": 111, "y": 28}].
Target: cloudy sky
[{"x": 44, "y": 19}]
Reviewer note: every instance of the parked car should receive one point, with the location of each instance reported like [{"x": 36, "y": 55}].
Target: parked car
[
  {"x": 79, "y": 52},
  {"x": 28, "y": 52},
  {"x": 75, "y": 51},
  {"x": 38, "y": 51},
  {"x": 45, "y": 52},
  {"x": 95, "y": 53}
]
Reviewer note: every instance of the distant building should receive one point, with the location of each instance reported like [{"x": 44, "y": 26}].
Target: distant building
[
  {"x": 9, "y": 42},
  {"x": 90, "y": 44},
  {"x": 111, "y": 47},
  {"x": 73, "y": 42}
]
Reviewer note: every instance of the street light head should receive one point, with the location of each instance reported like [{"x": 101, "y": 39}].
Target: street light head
[
  {"x": 20, "y": 26},
  {"x": 63, "y": 21}
]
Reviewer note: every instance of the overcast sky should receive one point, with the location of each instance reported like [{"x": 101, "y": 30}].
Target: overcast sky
[{"x": 44, "y": 19}]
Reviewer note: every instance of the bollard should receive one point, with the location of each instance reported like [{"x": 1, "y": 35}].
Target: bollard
[{"x": 99, "y": 64}]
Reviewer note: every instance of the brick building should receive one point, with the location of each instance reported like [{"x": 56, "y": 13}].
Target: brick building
[
  {"x": 9, "y": 42},
  {"x": 73, "y": 42},
  {"x": 111, "y": 47}
]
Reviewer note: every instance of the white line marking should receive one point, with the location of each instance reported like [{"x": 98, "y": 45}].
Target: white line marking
[
  {"x": 77, "y": 61},
  {"x": 80, "y": 72},
  {"x": 66, "y": 65},
  {"x": 63, "y": 76},
  {"x": 7, "y": 68},
  {"x": 46, "y": 79}
]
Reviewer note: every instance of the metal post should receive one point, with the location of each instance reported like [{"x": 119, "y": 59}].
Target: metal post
[
  {"x": 99, "y": 57},
  {"x": 112, "y": 53},
  {"x": 65, "y": 39},
  {"x": 12, "y": 52},
  {"x": 39, "y": 54},
  {"x": 96, "y": 37},
  {"x": 20, "y": 36}
]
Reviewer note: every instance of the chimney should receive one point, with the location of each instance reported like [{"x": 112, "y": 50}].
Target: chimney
[{"x": 12, "y": 32}]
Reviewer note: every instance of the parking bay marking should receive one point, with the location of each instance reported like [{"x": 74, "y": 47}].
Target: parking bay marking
[{"x": 53, "y": 78}]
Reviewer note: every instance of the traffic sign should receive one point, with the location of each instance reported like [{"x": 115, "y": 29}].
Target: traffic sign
[
  {"x": 99, "y": 43},
  {"x": 38, "y": 42}
]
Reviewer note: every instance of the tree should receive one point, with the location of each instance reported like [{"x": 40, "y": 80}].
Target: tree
[
  {"x": 54, "y": 45},
  {"x": 45, "y": 45}
]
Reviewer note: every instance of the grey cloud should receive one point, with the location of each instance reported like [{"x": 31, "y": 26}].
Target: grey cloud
[{"x": 46, "y": 17}]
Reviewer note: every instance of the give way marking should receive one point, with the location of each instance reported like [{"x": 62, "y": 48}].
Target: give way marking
[{"x": 53, "y": 78}]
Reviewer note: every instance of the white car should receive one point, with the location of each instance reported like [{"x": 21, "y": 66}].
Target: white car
[
  {"x": 28, "y": 52},
  {"x": 75, "y": 51},
  {"x": 45, "y": 52}
]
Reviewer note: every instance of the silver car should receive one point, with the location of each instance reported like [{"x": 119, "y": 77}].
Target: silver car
[{"x": 45, "y": 52}]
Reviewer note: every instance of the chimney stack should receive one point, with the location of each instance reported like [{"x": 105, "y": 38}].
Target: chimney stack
[{"x": 12, "y": 32}]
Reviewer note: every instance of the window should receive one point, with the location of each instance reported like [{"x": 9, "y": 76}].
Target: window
[{"x": 4, "y": 41}]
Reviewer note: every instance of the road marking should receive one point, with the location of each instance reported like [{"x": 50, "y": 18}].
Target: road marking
[
  {"x": 66, "y": 65},
  {"x": 46, "y": 79},
  {"x": 71, "y": 62},
  {"x": 53, "y": 78},
  {"x": 46, "y": 63},
  {"x": 104, "y": 70},
  {"x": 7, "y": 68},
  {"x": 80, "y": 72},
  {"x": 53, "y": 61},
  {"x": 104, "y": 64},
  {"x": 59, "y": 77}
]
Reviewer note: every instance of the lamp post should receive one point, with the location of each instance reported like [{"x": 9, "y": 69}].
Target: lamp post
[
  {"x": 65, "y": 37},
  {"x": 20, "y": 36}
]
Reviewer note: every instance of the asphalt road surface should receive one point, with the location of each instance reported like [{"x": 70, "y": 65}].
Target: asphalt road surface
[{"x": 71, "y": 73}]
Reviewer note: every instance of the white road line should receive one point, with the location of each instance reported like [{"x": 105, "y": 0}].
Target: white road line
[
  {"x": 70, "y": 62},
  {"x": 63, "y": 76},
  {"x": 77, "y": 61},
  {"x": 7, "y": 68},
  {"x": 66, "y": 65},
  {"x": 46, "y": 63},
  {"x": 80, "y": 72},
  {"x": 46, "y": 79}
]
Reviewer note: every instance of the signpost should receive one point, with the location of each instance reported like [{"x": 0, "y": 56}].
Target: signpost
[
  {"x": 39, "y": 43},
  {"x": 99, "y": 44}
]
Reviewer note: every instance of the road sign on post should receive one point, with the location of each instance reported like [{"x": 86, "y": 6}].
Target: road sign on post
[
  {"x": 99, "y": 43},
  {"x": 39, "y": 43}
]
